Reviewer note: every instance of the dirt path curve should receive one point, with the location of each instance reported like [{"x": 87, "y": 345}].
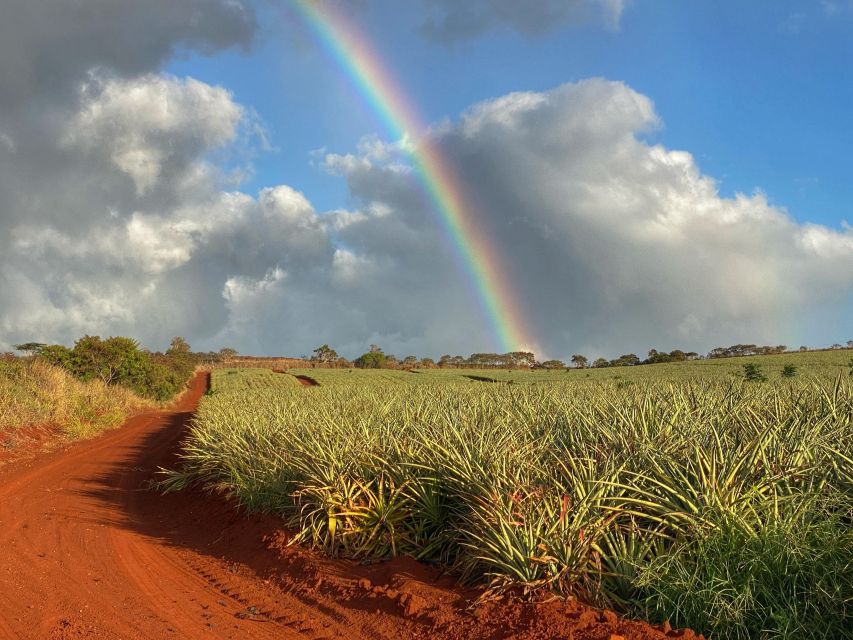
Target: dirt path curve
[{"x": 87, "y": 551}]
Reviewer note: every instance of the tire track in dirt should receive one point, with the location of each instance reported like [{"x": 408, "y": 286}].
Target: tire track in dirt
[
  {"x": 80, "y": 557},
  {"x": 88, "y": 551}
]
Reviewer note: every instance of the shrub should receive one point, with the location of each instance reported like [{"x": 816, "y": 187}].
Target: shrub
[
  {"x": 752, "y": 372},
  {"x": 121, "y": 361},
  {"x": 371, "y": 360},
  {"x": 115, "y": 360},
  {"x": 57, "y": 355},
  {"x": 789, "y": 371}
]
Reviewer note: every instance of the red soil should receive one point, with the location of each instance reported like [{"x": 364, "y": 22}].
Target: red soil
[
  {"x": 88, "y": 551},
  {"x": 29, "y": 441},
  {"x": 303, "y": 380}
]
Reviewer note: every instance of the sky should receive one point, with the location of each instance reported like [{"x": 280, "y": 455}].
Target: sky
[{"x": 645, "y": 174}]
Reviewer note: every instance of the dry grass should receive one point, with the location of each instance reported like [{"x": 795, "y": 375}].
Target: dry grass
[{"x": 34, "y": 393}]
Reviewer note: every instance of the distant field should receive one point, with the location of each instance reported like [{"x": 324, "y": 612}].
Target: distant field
[
  {"x": 233, "y": 380},
  {"x": 815, "y": 364},
  {"x": 676, "y": 492}
]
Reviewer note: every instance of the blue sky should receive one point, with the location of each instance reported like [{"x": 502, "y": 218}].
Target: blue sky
[{"x": 758, "y": 92}]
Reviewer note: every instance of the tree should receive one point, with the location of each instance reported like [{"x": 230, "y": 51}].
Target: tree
[
  {"x": 627, "y": 360},
  {"x": 375, "y": 348},
  {"x": 324, "y": 354},
  {"x": 600, "y": 363},
  {"x": 580, "y": 361},
  {"x": 427, "y": 363},
  {"x": 121, "y": 361},
  {"x": 553, "y": 364},
  {"x": 371, "y": 360},
  {"x": 33, "y": 348},
  {"x": 485, "y": 360},
  {"x": 178, "y": 346},
  {"x": 180, "y": 358},
  {"x": 804, "y": 348},
  {"x": 520, "y": 358},
  {"x": 227, "y": 353},
  {"x": 656, "y": 357},
  {"x": 410, "y": 361},
  {"x": 114, "y": 360},
  {"x": 57, "y": 355}
]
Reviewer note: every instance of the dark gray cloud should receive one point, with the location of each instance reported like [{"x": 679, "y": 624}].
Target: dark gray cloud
[
  {"x": 46, "y": 47},
  {"x": 79, "y": 98},
  {"x": 452, "y": 20}
]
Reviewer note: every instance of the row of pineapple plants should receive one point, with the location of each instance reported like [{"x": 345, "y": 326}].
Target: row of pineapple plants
[{"x": 720, "y": 505}]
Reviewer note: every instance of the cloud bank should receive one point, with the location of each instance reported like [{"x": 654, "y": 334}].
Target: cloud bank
[
  {"x": 613, "y": 243},
  {"x": 120, "y": 213}
]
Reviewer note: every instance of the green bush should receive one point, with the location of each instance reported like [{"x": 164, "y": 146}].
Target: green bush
[
  {"x": 752, "y": 372},
  {"x": 371, "y": 360},
  {"x": 57, "y": 355},
  {"x": 789, "y": 371},
  {"x": 121, "y": 361}
]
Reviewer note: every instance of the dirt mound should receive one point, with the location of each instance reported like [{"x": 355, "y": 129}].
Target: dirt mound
[
  {"x": 89, "y": 551},
  {"x": 479, "y": 378},
  {"x": 29, "y": 441},
  {"x": 303, "y": 380}
]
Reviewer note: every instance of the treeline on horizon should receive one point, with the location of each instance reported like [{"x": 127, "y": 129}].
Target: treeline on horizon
[
  {"x": 376, "y": 358},
  {"x": 159, "y": 376},
  {"x": 122, "y": 361}
]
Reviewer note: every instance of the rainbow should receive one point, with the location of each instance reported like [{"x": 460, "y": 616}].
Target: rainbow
[{"x": 353, "y": 52}]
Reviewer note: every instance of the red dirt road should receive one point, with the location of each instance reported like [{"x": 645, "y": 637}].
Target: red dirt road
[{"x": 87, "y": 551}]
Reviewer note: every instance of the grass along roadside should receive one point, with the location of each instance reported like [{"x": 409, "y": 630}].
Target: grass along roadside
[
  {"x": 34, "y": 394},
  {"x": 663, "y": 499},
  {"x": 93, "y": 386}
]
